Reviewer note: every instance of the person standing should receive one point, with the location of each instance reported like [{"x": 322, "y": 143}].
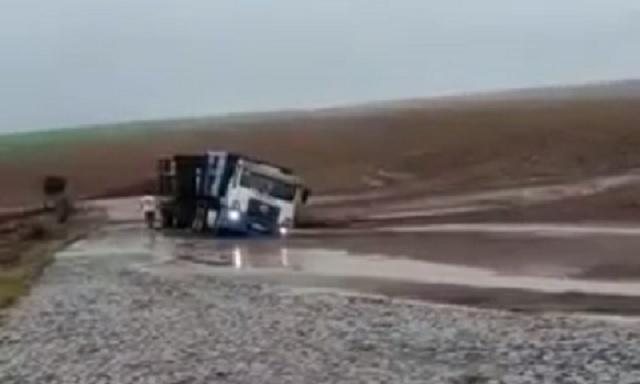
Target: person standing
[{"x": 148, "y": 207}]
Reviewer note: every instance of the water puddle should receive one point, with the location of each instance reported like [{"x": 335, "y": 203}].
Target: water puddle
[
  {"x": 307, "y": 260},
  {"x": 275, "y": 258}
]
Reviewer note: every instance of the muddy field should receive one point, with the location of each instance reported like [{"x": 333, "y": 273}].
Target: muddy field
[{"x": 386, "y": 151}]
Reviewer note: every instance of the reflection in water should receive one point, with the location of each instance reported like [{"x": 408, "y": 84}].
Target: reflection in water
[
  {"x": 151, "y": 240},
  {"x": 237, "y": 257},
  {"x": 342, "y": 264},
  {"x": 284, "y": 257},
  {"x": 265, "y": 258},
  {"x": 245, "y": 257}
]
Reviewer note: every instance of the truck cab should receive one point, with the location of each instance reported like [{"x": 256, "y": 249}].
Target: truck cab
[
  {"x": 222, "y": 192},
  {"x": 260, "y": 198}
]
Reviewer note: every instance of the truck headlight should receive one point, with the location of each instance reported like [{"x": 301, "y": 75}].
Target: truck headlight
[
  {"x": 284, "y": 231},
  {"x": 233, "y": 215}
]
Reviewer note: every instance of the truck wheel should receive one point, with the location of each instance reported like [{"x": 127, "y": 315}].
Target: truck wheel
[{"x": 167, "y": 220}]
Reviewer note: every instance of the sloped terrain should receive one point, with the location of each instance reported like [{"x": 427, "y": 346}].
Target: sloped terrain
[{"x": 396, "y": 150}]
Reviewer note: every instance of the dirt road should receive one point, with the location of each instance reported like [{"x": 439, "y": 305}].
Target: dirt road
[{"x": 600, "y": 198}]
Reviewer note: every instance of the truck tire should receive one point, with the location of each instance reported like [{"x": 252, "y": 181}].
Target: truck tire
[{"x": 167, "y": 220}]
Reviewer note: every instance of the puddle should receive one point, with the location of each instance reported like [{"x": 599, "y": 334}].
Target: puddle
[
  {"x": 544, "y": 230},
  {"x": 306, "y": 260},
  {"x": 122, "y": 240},
  {"x": 275, "y": 258}
]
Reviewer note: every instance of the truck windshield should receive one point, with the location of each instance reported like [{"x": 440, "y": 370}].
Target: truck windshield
[{"x": 268, "y": 185}]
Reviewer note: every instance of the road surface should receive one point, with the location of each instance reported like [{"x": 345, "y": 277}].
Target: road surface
[{"x": 131, "y": 306}]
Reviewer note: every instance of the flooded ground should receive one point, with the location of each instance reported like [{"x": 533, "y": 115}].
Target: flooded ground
[{"x": 533, "y": 267}]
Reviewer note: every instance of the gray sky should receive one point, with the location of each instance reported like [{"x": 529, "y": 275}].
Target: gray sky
[{"x": 70, "y": 62}]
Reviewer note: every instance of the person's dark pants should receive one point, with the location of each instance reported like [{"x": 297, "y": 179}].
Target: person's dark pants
[{"x": 150, "y": 218}]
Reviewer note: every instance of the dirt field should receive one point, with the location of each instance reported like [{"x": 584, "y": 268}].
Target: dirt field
[{"x": 398, "y": 150}]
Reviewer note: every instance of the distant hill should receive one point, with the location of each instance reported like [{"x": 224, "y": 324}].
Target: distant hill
[{"x": 623, "y": 89}]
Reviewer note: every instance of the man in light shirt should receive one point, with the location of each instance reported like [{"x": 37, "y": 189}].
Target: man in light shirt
[{"x": 148, "y": 207}]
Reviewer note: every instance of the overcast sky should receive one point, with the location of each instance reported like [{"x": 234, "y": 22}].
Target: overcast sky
[{"x": 70, "y": 62}]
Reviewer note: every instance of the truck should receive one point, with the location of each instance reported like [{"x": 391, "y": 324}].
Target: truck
[{"x": 222, "y": 192}]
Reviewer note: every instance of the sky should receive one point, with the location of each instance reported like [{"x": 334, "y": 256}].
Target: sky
[{"x": 75, "y": 62}]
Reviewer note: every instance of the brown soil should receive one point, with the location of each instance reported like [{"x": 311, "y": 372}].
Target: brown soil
[
  {"x": 421, "y": 147},
  {"x": 618, "y": 205}
]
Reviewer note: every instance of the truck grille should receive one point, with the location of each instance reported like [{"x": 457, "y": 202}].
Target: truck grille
[{"x": 263, "y": 213}]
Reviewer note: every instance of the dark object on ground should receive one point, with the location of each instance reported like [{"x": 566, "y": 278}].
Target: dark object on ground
[
  {"x": 54, "y": 185},
  {"x": 56, "y": 199},
  {"x": 34, "y": 231},
  {"x": 63, "y": 209}
]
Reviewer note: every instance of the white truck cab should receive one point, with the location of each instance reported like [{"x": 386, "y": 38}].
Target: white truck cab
[
  {"x": 230, "y": 193},
  {"x": 261, "y": 197}
]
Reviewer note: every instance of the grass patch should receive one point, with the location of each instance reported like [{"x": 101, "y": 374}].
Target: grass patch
[
  {"x": 24, "y": 253},
  {"x": 11, "y": 288},
  {"x": 16, "y": 148},
  {"x": 15, "y": 281}
]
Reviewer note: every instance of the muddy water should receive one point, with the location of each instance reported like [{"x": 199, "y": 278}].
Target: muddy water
[
  {"x": 504, "y": 270},
  {"x": 407, "y": 259}
]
